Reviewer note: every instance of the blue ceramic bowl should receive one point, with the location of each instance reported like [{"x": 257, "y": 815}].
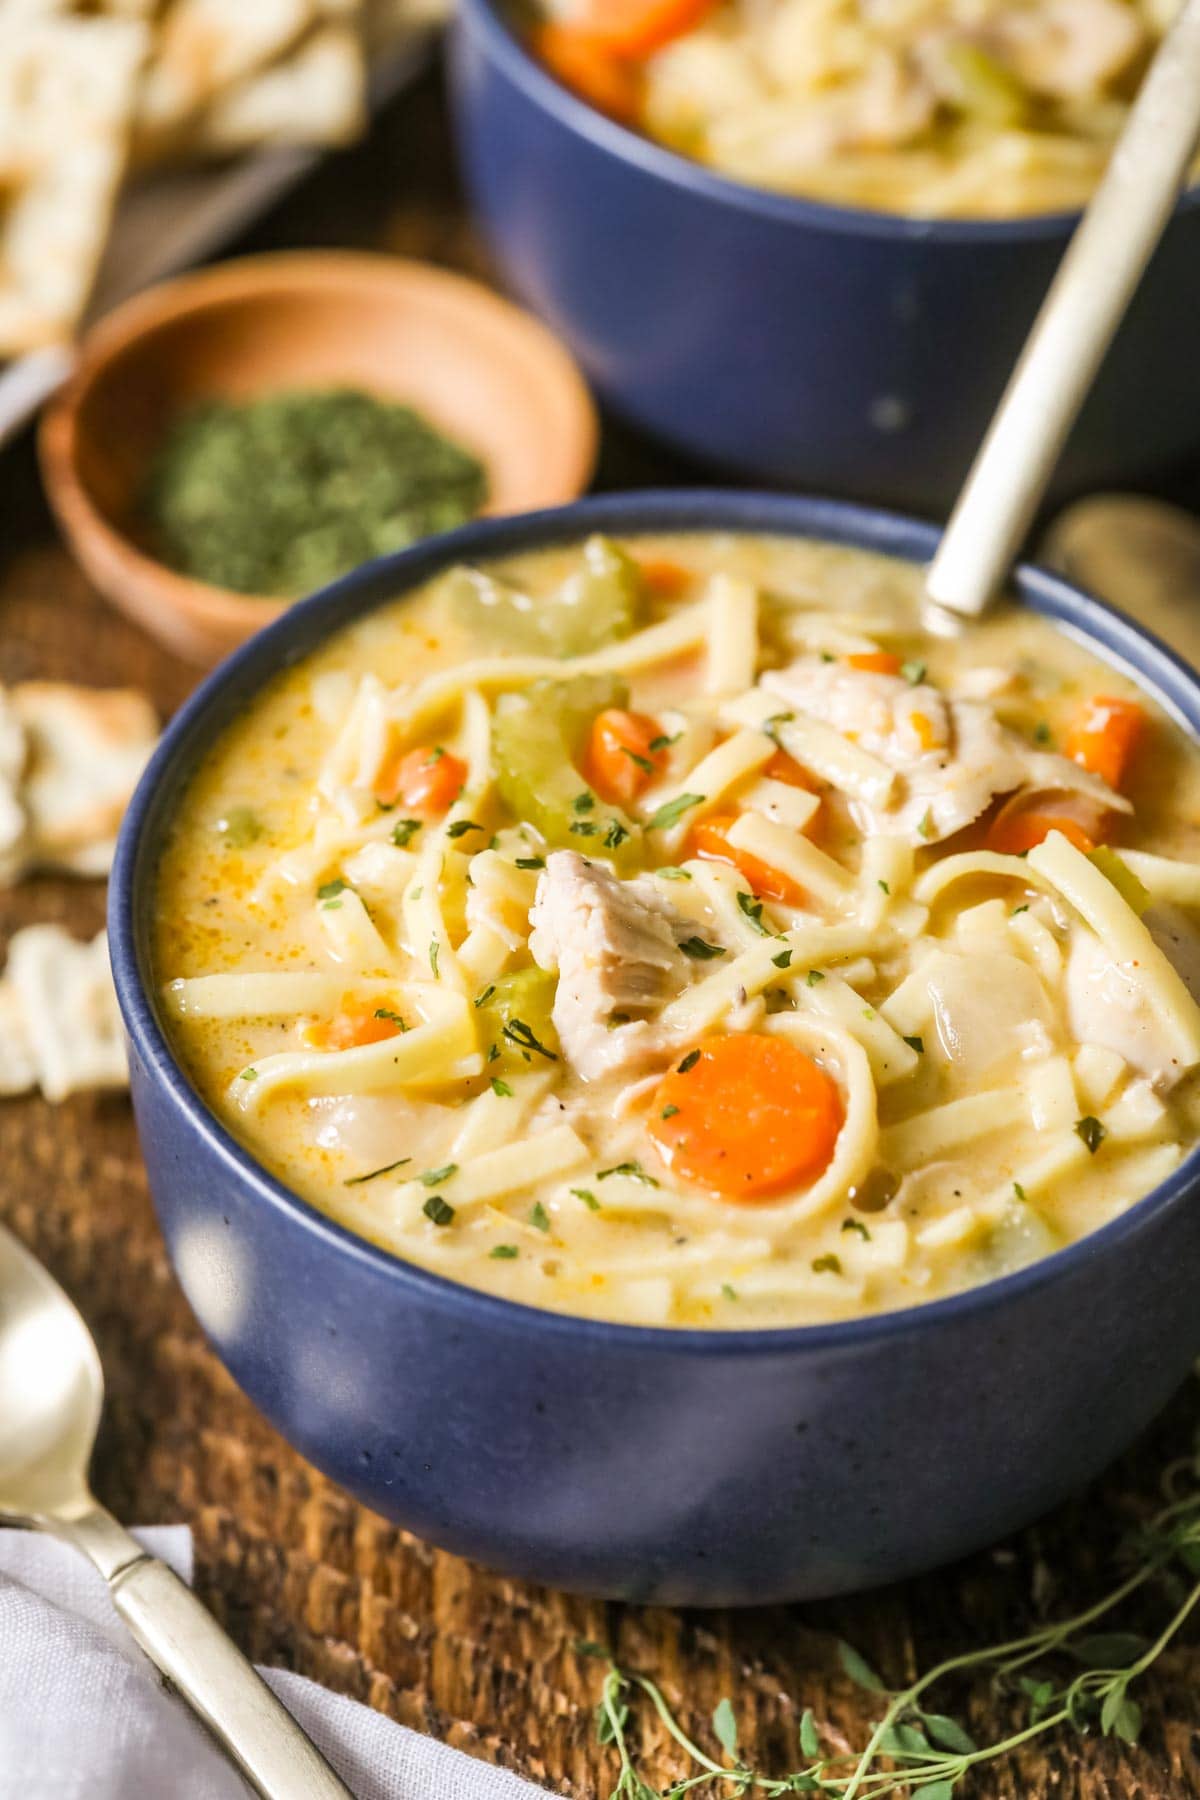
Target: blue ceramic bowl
[
  {"x": 812, "y": 346},
  {"x": 675, "y": 1466}
]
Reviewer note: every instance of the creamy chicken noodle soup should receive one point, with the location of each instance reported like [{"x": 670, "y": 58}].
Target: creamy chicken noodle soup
[
  {"x": 941, "y": 108},
  {"x": 668, "y": 931}
]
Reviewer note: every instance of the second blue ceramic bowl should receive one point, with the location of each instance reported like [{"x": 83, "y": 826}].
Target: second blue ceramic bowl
[
  {"x": 675, "y": 1466},
  {"x": 836, "y": 351}
]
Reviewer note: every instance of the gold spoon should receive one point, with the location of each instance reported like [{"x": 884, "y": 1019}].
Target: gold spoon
[
  {"x": 1079, "y": 317},
  {"x": 51, "y": 1393}
]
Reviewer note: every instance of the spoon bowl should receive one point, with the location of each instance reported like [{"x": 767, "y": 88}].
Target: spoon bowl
[{"x": 51, "y": 1392}]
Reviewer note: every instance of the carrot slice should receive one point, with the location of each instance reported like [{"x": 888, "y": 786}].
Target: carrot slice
[
  {"x": 875, "y": 662},
  {"x": 1105, "y": 736},
  {"x": 782, "y": 767},
  {"x": 621, "y": 758},
  {"x": 588, "y": 66},
  {"x": 351, "y": 1028},
  {"x": 1015, "y": 832},
  {"x": 637, "y": 28},
  {"x": 666, "y": 579},
  {"x": 752, "y": 1116},
  {"x": 709, "y": 839},
  {"x": 427, "y": 781}
]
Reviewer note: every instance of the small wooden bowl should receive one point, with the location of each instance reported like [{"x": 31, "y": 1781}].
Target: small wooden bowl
[{"x": 485, "y": 373}]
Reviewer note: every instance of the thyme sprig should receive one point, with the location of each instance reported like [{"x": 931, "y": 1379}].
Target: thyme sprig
[{"x": 1069, "y": 1674}]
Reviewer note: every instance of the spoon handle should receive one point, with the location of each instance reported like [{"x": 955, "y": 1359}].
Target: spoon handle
[
  {"x": 1078, "y": 319},
  {"x": 183, "y": 1639}
]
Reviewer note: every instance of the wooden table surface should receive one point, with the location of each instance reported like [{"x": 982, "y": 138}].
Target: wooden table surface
[{"x": 302, "y": 1576}]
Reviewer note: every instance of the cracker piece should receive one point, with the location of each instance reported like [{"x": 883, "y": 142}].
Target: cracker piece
[
  {"x": 203, "y": 48},
  {"x": 65, "y": 996},
  {"x": 86, "y": 749},
  {"x": 67, "y": 91},
  {"x": 315, "y": 95}
]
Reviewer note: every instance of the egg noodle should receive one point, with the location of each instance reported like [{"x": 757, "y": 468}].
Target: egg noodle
[{"x": 825, "y": 994}]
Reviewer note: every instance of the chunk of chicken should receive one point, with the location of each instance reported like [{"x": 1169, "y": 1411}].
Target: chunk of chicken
[
  {"x": 954, "y": 755},
  {"x": 1067, "y": 49},
  {"x": 613, "y": 945},
  {"x": 1107, "y": 1005}
]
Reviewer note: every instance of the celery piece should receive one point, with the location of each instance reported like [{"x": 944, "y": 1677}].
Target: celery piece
[
  {"x": 537, "y": 737},
  {"x": 985, "y": 86},
  {"x": 514, "y": 1017},
  {"x": 599, "y": 602}
]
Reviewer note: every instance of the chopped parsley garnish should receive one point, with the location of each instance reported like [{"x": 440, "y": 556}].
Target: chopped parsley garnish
[
  {"x": 633, "y": 1170},
  {"x": 248, "y": 1075},
  {"x": 404, "y": 830},
  {"x": 668, "y": 1112},
  {"x": 783, "y": 718},
  {"x": 913, "y": 673},
  {"x": 1018, "y": 1190},
  {"x": 1019, "y": 909},
  {"x": 357, "y": 1180},
  {"x": 672, "y": 874},
  {"x": 329, "y": 890},
  {"x": 1041, "y": 732},
  {"x": 751, "y": 909},
  {"x": 501, "y": 1089},
  {"x": 385, "y": 1012},
  {"x": 589, "y": 1199},
  {"x": 434, "y": 947},
  {"x": 435, "y": 756},
  {"x": 504, "y": 1253},
  {"x": 539, "y": 1216},
  {"x": 783, "y": 960},
  {"x": 435, "y": 1177},
  {"x": 438, "y": 1210},
  {"x": 485, "y": 994},
  {"x": 828, "y": 1264},
  {"x": 531, "y": 862},
  {"x": 925, "y": 825},
  {"x": 884, "y": 888},
  {"x": 616, "y": 834},
  {"x": 583, "y": 803},
  {"x": 729, "y": 1292},
  {"x": 689, "y": 1062},
  {"x": 641, "y": 762},
  {"x": 461, "y": 827},
  {"x": 917, "y": 1044},
  {"x": 1091, "y": 1131},
  {"x": 812, "y": 978},
  {"x": 856, "y": 1225},
  {"x": 671, "y": 811},
  {"x": 585, "y": 828},
  {"x": 517, "y": 1032},
  {"x": 696, "y": 948},
  {"x": 663, "y": 742}
]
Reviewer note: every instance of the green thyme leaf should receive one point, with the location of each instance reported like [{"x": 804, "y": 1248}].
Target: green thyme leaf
[
  {"x": 672, "y": 874},
  {"x": 518, "y": 1032},
  {"x": 435, "y": 1177},
  {"x": 436, "y": 1208},
  {"x": 329, "y": 889},
  {"x": 671, "y": 811},
  {"x": 689, "y": 1062},
  {"x": 858, "y": 1668},
  {"x": 783, "y": 960},
  {"x": 812, "y": 978},
  {"x": 696, "y": 948},
  {"x": 461, "y": 827},
  {"x": 504, "y": 1253},
  {"x": 633, "y": 1170},
  {"x": 725, "y": 1725},
  {"x": 531, "y": 862},
  {"x": 404, "y": 830},
  {"x": 539, "y": 1216},
  {"x": 1091, "y": 1131},
  {"x": 357, "y": 1180},
  {"x": 501, "y": 1088},
  {"x": 751, "y": 909},
  {"x": 589, "y": 1199}
]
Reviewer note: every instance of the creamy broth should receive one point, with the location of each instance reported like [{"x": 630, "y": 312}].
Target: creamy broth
[
  {"x": 933, "y": 108},
  {"x": 669, "y": 932}
]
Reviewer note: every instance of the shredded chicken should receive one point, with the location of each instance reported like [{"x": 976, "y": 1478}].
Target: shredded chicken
[
  {"x": 1107, "y": 1004},
  {"x": 614, "y": 947},
  {"x": 955, "y": 755},
  {"x": 1067, "y": 49}
]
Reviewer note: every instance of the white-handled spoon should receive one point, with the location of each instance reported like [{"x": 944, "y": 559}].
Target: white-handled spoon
[
  {"x": 1078, "y": 319},
  {"x": 51, "y": 1393}
]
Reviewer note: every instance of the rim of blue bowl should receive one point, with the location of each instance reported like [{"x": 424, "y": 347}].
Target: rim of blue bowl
[
  {"x": 311, "y": 622},
  {"x": 653, "y": 158}
]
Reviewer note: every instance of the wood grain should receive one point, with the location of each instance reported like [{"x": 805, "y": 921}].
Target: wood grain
[{"x": 301, "y": 1575}]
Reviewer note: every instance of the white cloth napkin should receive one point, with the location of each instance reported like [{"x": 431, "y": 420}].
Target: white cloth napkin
[{"x": 84, "y": 1716}]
